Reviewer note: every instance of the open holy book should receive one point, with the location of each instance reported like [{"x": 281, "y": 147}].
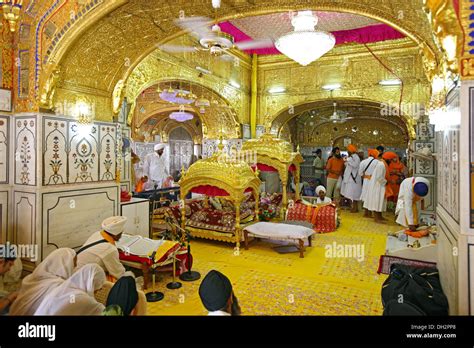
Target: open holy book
[{"x": 138, "y": 245}]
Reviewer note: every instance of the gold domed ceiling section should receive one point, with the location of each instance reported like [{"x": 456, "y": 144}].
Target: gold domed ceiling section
[
  {"x": 149, "y": 105},
  {"x": 95, "y": 56}
]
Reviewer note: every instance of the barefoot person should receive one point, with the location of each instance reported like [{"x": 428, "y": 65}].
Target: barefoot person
[
  {"x": 351, "y": 183},
  {"x": 366, "y": 169},
  {"x": 375, "y": 199}
]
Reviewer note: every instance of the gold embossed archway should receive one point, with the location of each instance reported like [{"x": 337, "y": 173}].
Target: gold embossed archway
[
  {"x": 219, "y": 119},
  {"x": 386, "y": 112}
]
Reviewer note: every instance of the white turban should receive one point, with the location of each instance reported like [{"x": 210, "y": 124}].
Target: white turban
[
  {"x": 159, "y": 146},
  {"x": 320, "y": 188},
  {"x": 114, "y": 224}
]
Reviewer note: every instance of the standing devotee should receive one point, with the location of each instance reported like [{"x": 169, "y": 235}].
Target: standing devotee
[
  {"x": 156, "y": 168},
  {"x": 217, "y": 295},
  {"x": 375, "y": 196},
  {"x": 380, "y": 149},
  {"x": 335, "y": 168},
  {"x": 409, "y": 205},
  {"x": 351, "y": 183},
  {"x": 100, "y": 247},
  {"x": 76, "y": 295},
  {"x": 55, "y": 269},
  {"x": 366, "y": 169},
  {"x": 318, "y": 165},
  {"x": 396, "y": 171}
]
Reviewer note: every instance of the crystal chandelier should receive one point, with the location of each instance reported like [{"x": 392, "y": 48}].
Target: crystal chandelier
[
  {"x": 11, "y": 12},
  {"x": 305, "y": 44},
  {"x": 181, "y": 116}
]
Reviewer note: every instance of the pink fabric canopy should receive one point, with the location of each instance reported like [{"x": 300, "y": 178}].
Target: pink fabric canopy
[{"x": 372, "y": 33}]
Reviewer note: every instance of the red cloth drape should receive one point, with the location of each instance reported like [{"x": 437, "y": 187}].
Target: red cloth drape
[
  {"x": 264, "y": 168},
  {"x": 209, "y": 190}
]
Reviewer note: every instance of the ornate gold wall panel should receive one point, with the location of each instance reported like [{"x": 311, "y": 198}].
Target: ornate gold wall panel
[
  {"x": 107, "y": 51},
  {"x": 6, "y": 57},
  {"x": 354, "y": 68}
]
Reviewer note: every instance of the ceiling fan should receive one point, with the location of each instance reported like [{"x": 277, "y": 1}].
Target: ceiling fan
[
  {"x": 213, "y": 40},
  {"x": 337, "y": 116}
]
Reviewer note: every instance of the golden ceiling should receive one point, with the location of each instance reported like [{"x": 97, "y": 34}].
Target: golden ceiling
[{"x": 107, "y": 50}]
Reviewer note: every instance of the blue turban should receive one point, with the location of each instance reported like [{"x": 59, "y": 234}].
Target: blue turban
[{"x": 421, "y": 189}]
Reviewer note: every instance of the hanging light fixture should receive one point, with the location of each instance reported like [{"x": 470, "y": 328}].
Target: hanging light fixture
[
  {"x": 181, "y": 116},
  {"x": 305, "y": 44},
  {"x": 11, "y": 12}
]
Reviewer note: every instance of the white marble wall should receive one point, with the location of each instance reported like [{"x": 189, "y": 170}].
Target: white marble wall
[
  {"x": 57, "y": 180},
  {"x": 70, "y": 216},
  {"x": 74, "y": 153},
  {"x": 25, "y": 150}
]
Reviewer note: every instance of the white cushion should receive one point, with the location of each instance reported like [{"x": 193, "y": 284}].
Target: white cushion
[{"x": 273, "y": 230}]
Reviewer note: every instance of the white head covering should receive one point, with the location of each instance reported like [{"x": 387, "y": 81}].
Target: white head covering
[
  {"x": 114, "y": 224},
  {"x": 320, "y": 188},
  {"x": 51, "y": 273},
  {"x": 159, "y": 146},
  {"x": 76, "y": 295}
]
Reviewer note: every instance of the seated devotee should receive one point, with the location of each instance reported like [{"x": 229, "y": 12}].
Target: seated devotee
[
  {"x": 375, "y": 197},
  {"x": 412, "y": 192},
  {"x": 124, "y": 294},
  {"x": 140, "y": 187},
  {"x": 76, "y": 295},
  {"x": 217, "y": 295},
  {"x": 322, "y": 199},
  {"x": 100, "y": 247},
  {"x": 55, "y": 269},
  {"x": 309, "y": 189},
  {"x": 366, "y": 169},
  {"x": 6, "y": 300},
  {"x": 351, "y": 187}
]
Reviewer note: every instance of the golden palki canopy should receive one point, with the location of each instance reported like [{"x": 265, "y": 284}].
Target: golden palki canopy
[
  {"x": 220, "y": 175},
  {"x": 277, "y": 154}
]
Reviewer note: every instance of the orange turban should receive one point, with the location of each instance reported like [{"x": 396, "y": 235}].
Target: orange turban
[
  {"x": 374, "y": 153},
  {"x": 389, "y": 155},
  {"x": 352, "y": 148}
]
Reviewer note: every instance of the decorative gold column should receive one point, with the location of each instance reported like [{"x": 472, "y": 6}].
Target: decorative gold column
[
  {"x": 237, "y": 224},
  {"x": 253, "y": 100}
]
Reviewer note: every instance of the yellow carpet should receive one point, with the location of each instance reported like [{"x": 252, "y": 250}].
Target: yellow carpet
[{"x": 269, "y": 283}]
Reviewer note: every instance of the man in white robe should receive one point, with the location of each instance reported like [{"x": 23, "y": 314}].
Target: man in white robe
[
  {"x": 156, "y": 167},
  {"x": 375, "y": 197},
  {"x": 351, "y": 183},
  {"x": 409, "y": 205},
  {"x": 366, "y": 169},
  {"x": 100, "y": 247}
]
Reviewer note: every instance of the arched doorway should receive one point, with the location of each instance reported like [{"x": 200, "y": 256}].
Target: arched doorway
[{"x": 181, "y": 149}]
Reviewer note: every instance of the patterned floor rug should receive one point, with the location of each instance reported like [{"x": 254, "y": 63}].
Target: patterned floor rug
[{"x": 337, "y": 276}]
